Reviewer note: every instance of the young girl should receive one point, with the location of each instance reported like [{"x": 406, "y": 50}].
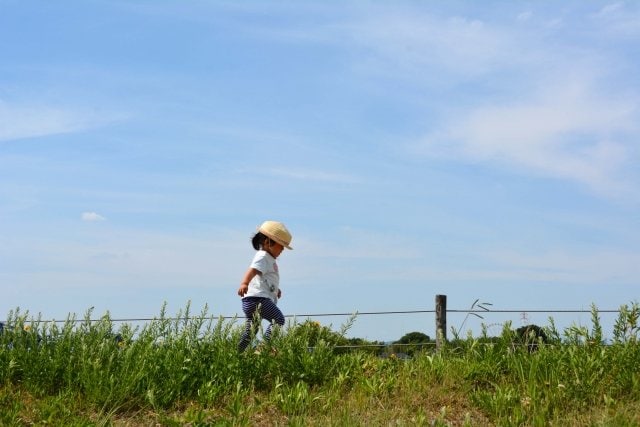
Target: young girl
[{"x": 260, "y": 287}]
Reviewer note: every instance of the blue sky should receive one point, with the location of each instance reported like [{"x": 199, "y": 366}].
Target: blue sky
[{"x": 479, "y": 150}]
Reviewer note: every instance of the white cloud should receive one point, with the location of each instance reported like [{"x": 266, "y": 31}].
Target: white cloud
[
  {"x": 92, "y": 217},
  {"x": 18, "y": 122},
  {"x": 567, "y": 132},
  {"x": 550, "y": 105}
]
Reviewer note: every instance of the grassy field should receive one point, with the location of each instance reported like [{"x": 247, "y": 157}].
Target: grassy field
[{"x": 187, "y": 371}]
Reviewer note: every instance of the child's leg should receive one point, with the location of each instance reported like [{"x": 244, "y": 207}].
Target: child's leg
[
  {"x": 269, "y": 311},
  {"x": 249, "y": 306}
]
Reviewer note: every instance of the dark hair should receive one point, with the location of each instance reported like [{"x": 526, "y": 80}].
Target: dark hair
[{"x": 258, "y": 240}]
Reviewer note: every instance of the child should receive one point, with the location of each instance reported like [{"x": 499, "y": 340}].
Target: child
[{"x": 260, "y": 287}]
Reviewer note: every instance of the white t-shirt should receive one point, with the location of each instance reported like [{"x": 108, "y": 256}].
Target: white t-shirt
[{"x": 264, "y": 285}]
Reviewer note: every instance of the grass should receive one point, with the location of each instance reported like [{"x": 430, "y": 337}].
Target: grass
[{"x": 186, "y": 370}]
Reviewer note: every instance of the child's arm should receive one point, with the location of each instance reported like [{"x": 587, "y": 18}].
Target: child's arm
[{"x": 244, "y": 285}]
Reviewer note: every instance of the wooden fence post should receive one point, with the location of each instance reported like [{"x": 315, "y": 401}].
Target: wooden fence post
[{"x": 441, "y": 321}]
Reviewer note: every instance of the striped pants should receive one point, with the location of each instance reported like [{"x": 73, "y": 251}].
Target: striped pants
[{"x": 256, "y": 309}]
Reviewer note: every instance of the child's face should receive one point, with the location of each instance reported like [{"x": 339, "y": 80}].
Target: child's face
[{"x": 274, "y": 248}]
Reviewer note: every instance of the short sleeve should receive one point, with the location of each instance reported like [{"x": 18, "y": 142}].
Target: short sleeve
[{"x": 259, "y": 262}]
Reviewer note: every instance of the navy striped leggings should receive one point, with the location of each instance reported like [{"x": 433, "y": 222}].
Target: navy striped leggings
[{"x": 265, "y": 309}]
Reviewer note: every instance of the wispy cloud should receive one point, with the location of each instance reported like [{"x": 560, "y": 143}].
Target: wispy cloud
[
  {"x": 92, "y": 217},
  {"x": 19, "y": 122},
  {"x": 566, "y": 132},
  {"x": 314, "y": 175},
  {"x": 619, "y": 19},
  {"x": 423, "y": 42},
  {"x": 556, "y": 265},
  {"x": 131, "y": 258},
  {"x": 552, "y": 111}
]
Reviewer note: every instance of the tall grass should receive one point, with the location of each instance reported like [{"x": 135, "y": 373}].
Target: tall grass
[
  {"x": 571, "y": 373},
  {"x": 167, "y": 361},
  {"x": 187, "y": 369}
]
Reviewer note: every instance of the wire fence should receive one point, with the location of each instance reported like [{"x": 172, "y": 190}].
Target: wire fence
[
  {"x": 340, "y": 314},
  {"x": 480, "y": 313}
]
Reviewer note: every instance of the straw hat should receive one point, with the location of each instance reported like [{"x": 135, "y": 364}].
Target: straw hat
[{"x": 277, "y": 231}]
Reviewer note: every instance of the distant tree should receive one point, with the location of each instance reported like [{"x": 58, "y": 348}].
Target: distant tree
[
  {"x": 411, "y": 342},
  {"x": 414, "y": 338},
  {"x": 362, "y": 345},
  {"x": 530, "y": 336}
]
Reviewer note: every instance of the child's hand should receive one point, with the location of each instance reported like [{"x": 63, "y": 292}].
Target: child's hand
[
  {"x": 243, "y": 289},
  {"x": 244, "y": 284}
]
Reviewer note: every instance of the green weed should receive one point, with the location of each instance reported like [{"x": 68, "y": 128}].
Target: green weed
[{"x": 186, "y": 370}]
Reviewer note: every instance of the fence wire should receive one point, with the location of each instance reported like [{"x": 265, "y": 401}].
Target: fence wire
[
  {"x": 370, "y": 345},
  {"x": 343, "y": 314}
]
